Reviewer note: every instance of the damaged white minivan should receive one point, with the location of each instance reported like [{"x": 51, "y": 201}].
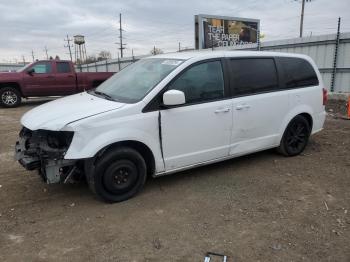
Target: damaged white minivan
[{"x": 172, "y": 112}]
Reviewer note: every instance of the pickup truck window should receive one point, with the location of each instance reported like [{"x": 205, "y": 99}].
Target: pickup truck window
[
  {"x": 63, "y": 67},
  {"x": 42, "y": 68},
  {"x": 133, "y": 83}
]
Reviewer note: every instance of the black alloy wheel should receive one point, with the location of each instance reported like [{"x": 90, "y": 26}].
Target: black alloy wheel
[{"x": 295, "y": 137}]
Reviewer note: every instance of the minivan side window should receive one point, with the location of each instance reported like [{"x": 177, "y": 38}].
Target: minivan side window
[
  {"x": 253, "y": 75},
  {"x": 298, "y": 72},
  {"x": 200, "y": 83},
  {"x": 63, "y": 67}
]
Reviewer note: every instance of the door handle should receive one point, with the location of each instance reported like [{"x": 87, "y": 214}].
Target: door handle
[
  {"x": 243, "y": 106},
  {"x": 222, "y": 110}
]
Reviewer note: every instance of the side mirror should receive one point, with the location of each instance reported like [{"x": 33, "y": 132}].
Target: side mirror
[
  {"x": 30, "y": 71},
  {"x": 173, "y": 98}
]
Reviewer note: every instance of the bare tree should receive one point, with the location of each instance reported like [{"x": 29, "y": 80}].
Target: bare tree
[
  {"x": 104, "y": 55},
  {"x": 156, "y": 51},
  {"x": 90, "y": 59}
]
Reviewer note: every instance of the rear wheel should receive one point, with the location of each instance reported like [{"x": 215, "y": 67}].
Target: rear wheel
[
  {"x": 295, "y": 137},
  {"x": 9, "y": 97},
  {"x": 118, "y": 175}
]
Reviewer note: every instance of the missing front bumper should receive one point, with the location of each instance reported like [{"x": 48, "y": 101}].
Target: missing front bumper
[{"x": 32, "y": 151}]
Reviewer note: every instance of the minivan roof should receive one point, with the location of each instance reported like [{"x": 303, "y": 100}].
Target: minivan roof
[{"x": 233, "y": 53}]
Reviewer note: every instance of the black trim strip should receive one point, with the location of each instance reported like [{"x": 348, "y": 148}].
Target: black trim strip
[{"x": 160, "y": 134}]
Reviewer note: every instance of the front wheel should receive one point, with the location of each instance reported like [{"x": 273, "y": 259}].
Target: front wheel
[
  {"x": 295, "y": 137},
  {"x": 9, "y": 97},
  {"x": 118, "y": 175}
]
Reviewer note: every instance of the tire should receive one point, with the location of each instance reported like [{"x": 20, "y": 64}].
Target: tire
[
  {"x": 10, "y": 97},
  {"x": 295, "y": 137},
  {"x": 118, "y": 174}
]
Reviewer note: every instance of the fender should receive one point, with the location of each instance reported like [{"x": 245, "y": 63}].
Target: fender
[
  {"x": 301, "y": 109},
  {"x": 79, "y": 149}
]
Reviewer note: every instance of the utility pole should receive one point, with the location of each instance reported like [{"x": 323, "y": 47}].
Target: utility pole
[
  {"x": 121, "y": 36},
  {"x": 33, "y": 56},
  {"x": 69, "y": 46},
  {"x": 47, "y": 56},
  {"x": 179, "y": 47},
  {"x": 154, "y": 50},
  {"x": 24, "y": 60},
  {"x": 302, "y": 16}
]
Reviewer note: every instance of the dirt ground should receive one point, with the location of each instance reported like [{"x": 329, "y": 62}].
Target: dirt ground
[{"x": 261, "y": 207}]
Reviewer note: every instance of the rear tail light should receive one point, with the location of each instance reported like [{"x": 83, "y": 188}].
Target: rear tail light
[{"x": 325, "y": 96}]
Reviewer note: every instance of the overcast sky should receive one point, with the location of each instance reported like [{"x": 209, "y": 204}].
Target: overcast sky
[{"x": 28, "y": 25}]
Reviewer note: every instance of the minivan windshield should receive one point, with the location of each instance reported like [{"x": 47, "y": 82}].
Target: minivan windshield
[{"x": 132, "y": 83}]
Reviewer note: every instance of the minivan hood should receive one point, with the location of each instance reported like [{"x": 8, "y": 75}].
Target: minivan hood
[{"x": 56, "y": 114}]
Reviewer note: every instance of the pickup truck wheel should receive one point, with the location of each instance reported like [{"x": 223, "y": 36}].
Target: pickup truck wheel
[
  {"x": 118, "y": 175},
  {"x": 9, "y": 97},
  {"x": 295, "y": 137}
]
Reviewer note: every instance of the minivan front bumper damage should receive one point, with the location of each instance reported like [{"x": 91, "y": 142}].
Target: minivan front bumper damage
[{"x": 44, "y": 150}]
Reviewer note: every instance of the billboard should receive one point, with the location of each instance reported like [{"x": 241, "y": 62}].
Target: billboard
[{"x": 219, "y": 31}]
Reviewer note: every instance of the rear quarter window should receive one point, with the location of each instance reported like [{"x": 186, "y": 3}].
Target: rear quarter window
[{"x": 297, "y": 72}]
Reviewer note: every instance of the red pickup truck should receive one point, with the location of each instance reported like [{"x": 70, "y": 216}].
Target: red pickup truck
[{"x": 46, "y": 78}]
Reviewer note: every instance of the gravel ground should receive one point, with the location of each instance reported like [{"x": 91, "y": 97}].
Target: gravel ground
[{"x": 261, "y": 207}]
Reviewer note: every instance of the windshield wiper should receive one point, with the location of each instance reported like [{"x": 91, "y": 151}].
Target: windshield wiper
[{"x": 104, "y": 95}]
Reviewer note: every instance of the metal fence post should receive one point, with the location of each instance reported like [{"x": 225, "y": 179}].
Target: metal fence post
[
  {"x": 335, "y": 58},
  {"x": 95, "y": 66},
  {"x": 106, "y": 66}
]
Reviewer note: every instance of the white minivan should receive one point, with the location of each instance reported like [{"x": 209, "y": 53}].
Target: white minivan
[{"x": 172, "y": 112}]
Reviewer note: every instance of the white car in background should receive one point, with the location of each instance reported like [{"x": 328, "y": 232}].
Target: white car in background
[{"x": 172, "y": 112}]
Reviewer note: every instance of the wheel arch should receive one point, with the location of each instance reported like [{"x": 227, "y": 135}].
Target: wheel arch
[
  {"x": 309, "y": 119},
  {"x": 140, "y": 147},
  {"x": 305, "y": 111},
  {"x": 13, "y": 85}
]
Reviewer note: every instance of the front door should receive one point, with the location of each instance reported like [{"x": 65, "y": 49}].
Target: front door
[
  {"x": 41, "y": 82},
  {"x": 199, "y": 130}
]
